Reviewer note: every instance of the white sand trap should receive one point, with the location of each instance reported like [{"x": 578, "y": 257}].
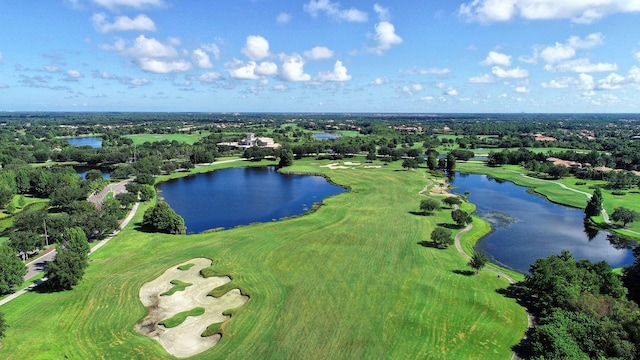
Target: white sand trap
[
  {"x": 185, "y": 340},
  {"x": 335, "y": 166},
  {"x": 349, "y": 163},
  {"x": 372, "y": 166}
]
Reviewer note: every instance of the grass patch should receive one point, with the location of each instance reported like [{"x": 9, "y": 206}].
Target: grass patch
[
  {"x": 177, "y": 286},
  {"x": 185, "y": 267},
  {"x": 347, "y": 281},
  {"x": 139, "y": 139},
  {"x": 212, "y": 329},
  {"x": 179, "y": 318}
]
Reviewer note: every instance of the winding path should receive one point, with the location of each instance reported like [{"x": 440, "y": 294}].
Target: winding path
[{"x": 530, "y": 318}]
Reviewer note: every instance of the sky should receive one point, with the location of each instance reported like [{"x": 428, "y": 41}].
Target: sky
[{"x": 409, "y": 56}]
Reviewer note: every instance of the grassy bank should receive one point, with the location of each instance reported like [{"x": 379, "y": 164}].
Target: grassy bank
[{"x": 347, "y": 281}]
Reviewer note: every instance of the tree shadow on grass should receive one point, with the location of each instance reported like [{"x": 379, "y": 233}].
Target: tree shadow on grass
[
  {"x": 420, "y": 213},
  {"x": 464, "y": 272},
  {"x": 450, "y": 226},
  {"x": 516, "y": 291}
]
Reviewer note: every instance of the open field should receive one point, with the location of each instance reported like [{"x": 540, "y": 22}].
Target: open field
[
  {"x": 186, "y": 138},
  {"x": 347, "y": 281}
]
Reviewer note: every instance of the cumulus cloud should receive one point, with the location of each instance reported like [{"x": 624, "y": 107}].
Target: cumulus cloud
[
  {"x": 430, "y": 71},
  {"x": 578, "y": 11},
  {"x": 122, "y": 23},
  {"x": 212, "y": 49},
  {"x": 283, "y": 18},
  {"x": 451, "y": 92},
  {"x": 496, "y": 58},
  {"x": 1, "y": 58},
  {"x": 256, "y": 48},
  {"x": 72, "y": 75},
  {"x": 335, "y": 11},
  {"x": 379, "y": 81},
  {"x": 251, "y": 70},
  {"x": 481, "y": 79},
  {"x": 201, "y": 59},
  {"x": 209, "y": 77},
  {"x": 151, "y": 55},
  {"x": 319, "y": 53},
  {"x": 292, "y": 69},
  {"x": 385, "y": 37},
  {"x": 558, "y": 52},
  {"x": 383, "y": 13},
  {"x": 581, "y": 66},
  {"x": 521, "y": 89},
  {"x": 112, "y": 4},
  {"x": 339, "y": 73},
  {"x": 515, "y": 73}
]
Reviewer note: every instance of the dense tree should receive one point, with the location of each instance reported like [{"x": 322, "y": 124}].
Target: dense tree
[
  {"x": 452, "y": 201},
  {"x": 429, "y": 205},
  {"x": 461, "y": 217},
  {"x": 67, "y": 268},
  {"x": 162, "y": 218},
  {"x": 451, "y": 163},
  {"x": 478, "y": 261},
  {"x": 24, "y": 242},
  {"x": 286, "y": 157},
  {"x": 409, "y": 163},
  {"x": 12, "y": 270},
  {"x": 594, "y": 206},
  {"x": 93, "y": 175},
  {"x": 146, "y": 179},
  {"x": 441, "y": 237},
  {"x": 3, "y": 326},
  {"x": 624, "y": 215}
]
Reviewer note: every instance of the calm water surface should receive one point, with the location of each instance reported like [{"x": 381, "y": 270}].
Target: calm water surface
[
  {"x": 528, "y": 226},
  {"x": 241, "y": 196},
  {"x": 326, "y": 136},
  {"x": 91, "y": 141}
]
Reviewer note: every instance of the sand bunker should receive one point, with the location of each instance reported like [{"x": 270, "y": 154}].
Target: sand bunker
[
  {"x": 185, "y": 340},
  {"x": 335, "y": 166}
]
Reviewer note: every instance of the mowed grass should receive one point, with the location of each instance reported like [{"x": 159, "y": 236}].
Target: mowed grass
[
  {"x": 139, "y": 139},
  {"x": 348, "y": 281}
]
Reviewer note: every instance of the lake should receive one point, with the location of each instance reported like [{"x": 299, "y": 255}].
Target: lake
[
  {"x": 82, "y": 171},
  {"x": 91, "y": 141},
  {"x": 241, "y": 196},
  {"x": 528, "y": 226},
  {"x": 325, "y": 136}
]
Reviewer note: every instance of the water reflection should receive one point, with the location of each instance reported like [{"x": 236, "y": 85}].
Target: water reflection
[{"x": 535, "y": 227}]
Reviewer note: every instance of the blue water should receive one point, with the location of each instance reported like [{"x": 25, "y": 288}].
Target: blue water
[
  {"x": 326, "y": 136},
  {"x": 528, "y": 226},
  {"x": 91, "y": 141},
  {"x": 241, "y": 196}
]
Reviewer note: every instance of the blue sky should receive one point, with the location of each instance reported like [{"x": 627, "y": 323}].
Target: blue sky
[{"x": 414, "y": 56}]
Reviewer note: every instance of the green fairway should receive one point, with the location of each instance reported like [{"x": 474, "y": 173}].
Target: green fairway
[
  {"x": 349, "y": 281},
  {"x": 190, "y": 139}
]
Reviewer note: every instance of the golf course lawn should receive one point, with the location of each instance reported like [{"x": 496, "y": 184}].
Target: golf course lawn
[
  {"x": 190, "y": 139},
  {"x": 347, "y": 281}
]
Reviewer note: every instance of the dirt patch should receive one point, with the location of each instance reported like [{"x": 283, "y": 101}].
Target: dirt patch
[{"x": 185, "y": 340}]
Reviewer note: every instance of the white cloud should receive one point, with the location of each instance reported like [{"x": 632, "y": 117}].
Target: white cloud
[
  {"x": 586, "y": 82},
  {"x": 138, "y": 82},
  {"x": 636, "y": 55},
  {"x": 379, "y": 81},
  {"x": 430, "y": 71},
  {"x": 481, "y": 79},
  {"x": 122, "y": 23},
  {"x": 581, "y": 66},
  {"x": 283, "y": 18},
  {"x": 522, "y": 89},
  {"x": 578, "y": 11},
  {"x": 209, "y": 77},
  {"x": 73, "y": 75},
  {"x": 383, "y": 12},
  {"x": 212, "y": 49},
  {"x": 280, "y": 87},
  {"x": 558, "y": 52},
  {"x": 339, "y": 73},
  {"x": 151, "y": 55},
  {"x": 1, "y": 58},
  {"x": 451, "y": 92},
  {"x": 319, "y": 53},
  {"x": 112, "y": 4},
  {"x": 201, "y": 59},
  {"x": 559, "y": 83},
  {"x": 592, "y": 40},
  {"x": 515, "y": 73},
  {"x": 385, "y": 37},
  {"x": 250, "y": 70},
  {"x": 292, "y": 69},
  {"x": 496, "y": 58},
  {"x": 612, "y": 82},
  {"x": 163, "y": 66},
  {"x": 334, "y": 10},
  {"x": 256, "y": 48}
]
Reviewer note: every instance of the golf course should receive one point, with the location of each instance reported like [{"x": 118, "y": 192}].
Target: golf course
[{"x": 350, "y": 280}]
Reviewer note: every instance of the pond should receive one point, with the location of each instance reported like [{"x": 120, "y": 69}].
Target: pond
[
  {"x": 241, "y": 196},
  {"x": 526, "y": 226},
  {"x": 91, "y": 141},
  {"x": 82, "y": 171},
  {"x": 326, "y": 136}
]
